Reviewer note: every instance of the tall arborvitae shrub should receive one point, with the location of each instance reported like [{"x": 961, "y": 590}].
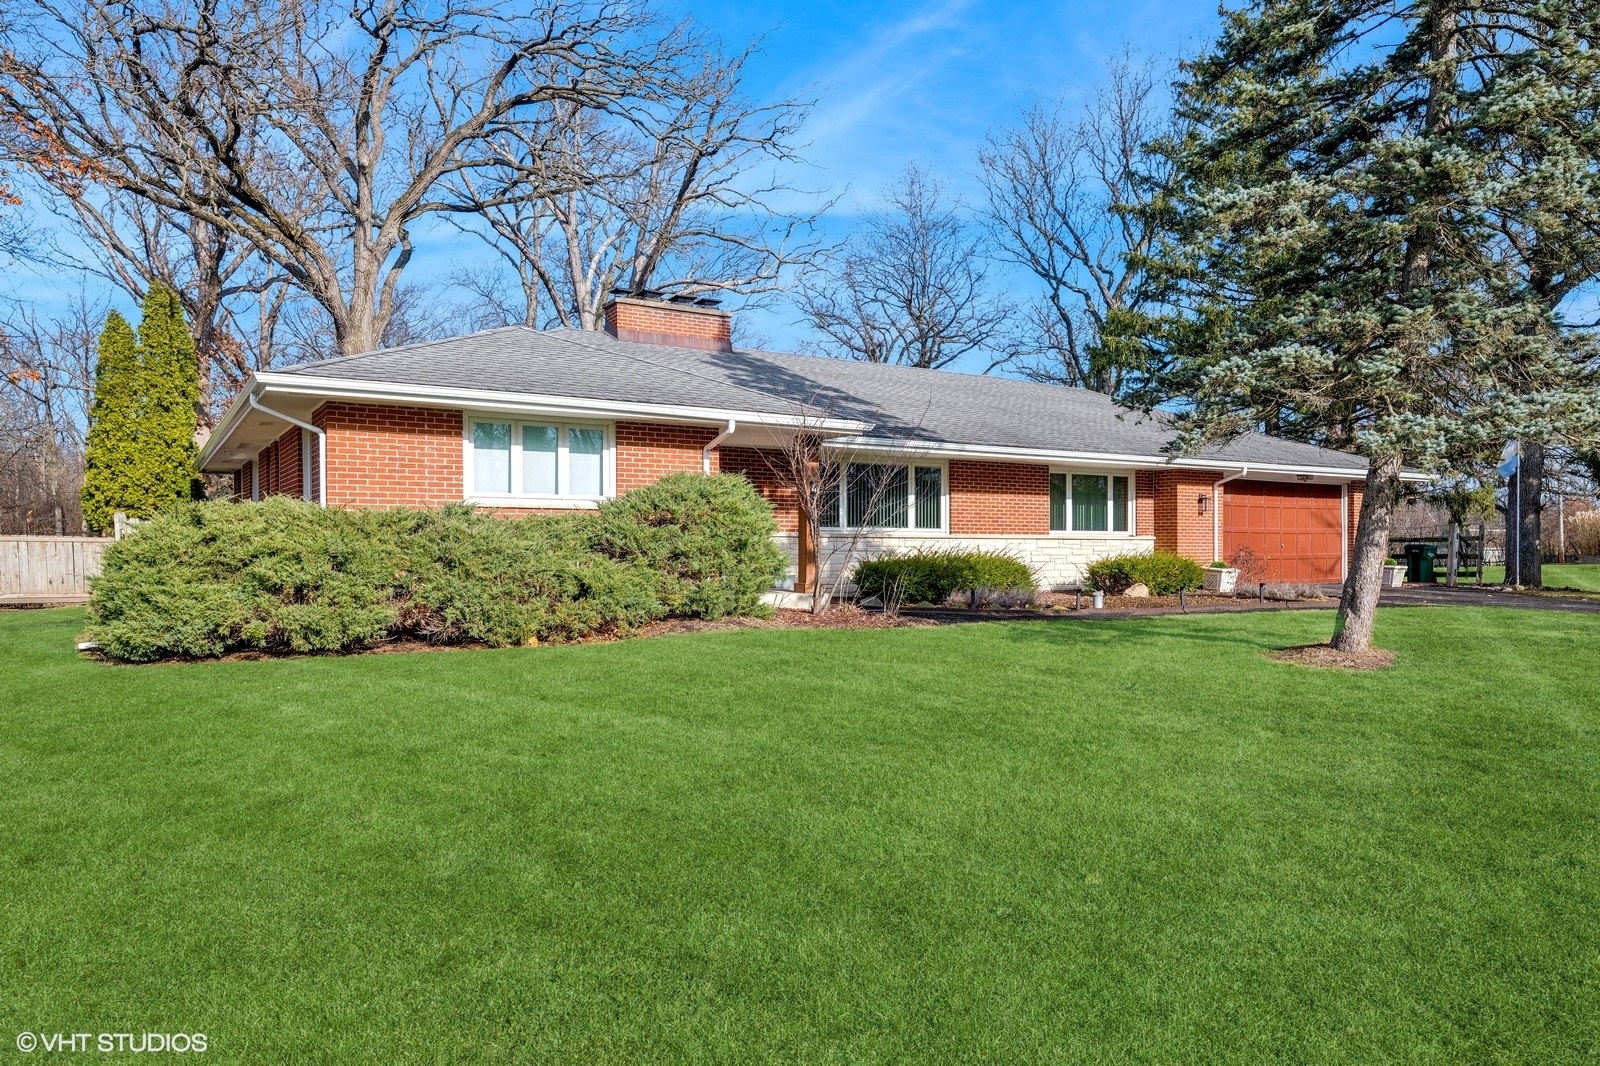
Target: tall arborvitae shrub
[
  {"x": 171, "y": 394},
  {"x": 140, "y": 455},
  {"x": 111, "y": 451}
]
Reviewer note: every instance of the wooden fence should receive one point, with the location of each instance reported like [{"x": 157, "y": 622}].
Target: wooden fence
[{"x": 48, "y": 569}]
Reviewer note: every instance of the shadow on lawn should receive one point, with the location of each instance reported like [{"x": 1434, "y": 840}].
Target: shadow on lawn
[{"x": 1135, "y": 634}]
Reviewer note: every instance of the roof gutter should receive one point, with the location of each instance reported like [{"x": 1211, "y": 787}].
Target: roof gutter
[
  {"x": 931, "y": 449},
  {"x": 1216, "y": 510},
  {"x": 322, "y": 444},
  {"x": 560, "y": 406},
  {"x": 705, "y": 453}
]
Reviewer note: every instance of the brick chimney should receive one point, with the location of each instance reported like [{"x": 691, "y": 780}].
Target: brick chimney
[{"x": 683, "y": 321}]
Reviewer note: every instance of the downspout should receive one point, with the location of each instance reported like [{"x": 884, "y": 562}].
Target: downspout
[
  {"x": 322, "y": 445},
  {"x": 705, "y": 453},
  {"x": 1216, "y": 511}
]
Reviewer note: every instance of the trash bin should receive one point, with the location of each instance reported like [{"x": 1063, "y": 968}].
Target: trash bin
[{"x": 1419, "y": 562}]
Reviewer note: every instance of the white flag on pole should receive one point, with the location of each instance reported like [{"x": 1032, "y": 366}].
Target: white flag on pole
[{"x": 1510, "y": 459}]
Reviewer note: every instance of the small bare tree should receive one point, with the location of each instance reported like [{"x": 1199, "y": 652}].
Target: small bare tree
[
  {"x": 812, "y": 473},
  {"x": 1066, "y": 201},
  {"x": 911, "y": 289}
]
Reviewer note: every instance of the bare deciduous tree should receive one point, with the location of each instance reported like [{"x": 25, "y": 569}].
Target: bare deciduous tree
[
  {"x": 812, "y": 473},
  {"x": 911, "y": 289},
  {"x": 676, "y": 199},
  {"x": 224, "y": 285},
  {"x": 1066, "y": 199},
  {"x": 46, "y": 379},
  {"x": 319, "y": 134}
]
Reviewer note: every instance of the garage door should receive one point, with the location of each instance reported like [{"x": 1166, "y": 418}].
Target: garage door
[{"x": 1294, "y": 531}]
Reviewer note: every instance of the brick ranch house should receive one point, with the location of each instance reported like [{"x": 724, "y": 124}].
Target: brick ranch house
[{"x": 524, "y": 421}]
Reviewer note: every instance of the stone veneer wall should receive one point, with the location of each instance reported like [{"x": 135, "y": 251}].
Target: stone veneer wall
[{"x": 1056, "y": 561}]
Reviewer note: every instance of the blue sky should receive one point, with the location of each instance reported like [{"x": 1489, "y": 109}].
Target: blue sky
[
  {"x": 897, "y": 82},
  {"x": 894, "y": 82}
]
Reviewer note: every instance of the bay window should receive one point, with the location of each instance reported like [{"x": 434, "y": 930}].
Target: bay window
[
  {"x": 1090, "y": 503},
  {"x": 885, "y": 496},
  {"x": 544, "y": 461}
]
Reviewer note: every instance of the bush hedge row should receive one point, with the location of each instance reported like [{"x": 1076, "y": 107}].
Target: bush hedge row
[
  {"x": 1162, "y": 572},
  {"x": 934, "y": 576},
  {"x": 210, "y": 578}
]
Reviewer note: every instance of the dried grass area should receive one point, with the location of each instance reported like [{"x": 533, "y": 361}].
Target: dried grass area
[{"x": 1327, "y": 657}]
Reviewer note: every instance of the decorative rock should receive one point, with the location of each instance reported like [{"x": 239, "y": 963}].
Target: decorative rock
[{"x": 1139, "y": 589}]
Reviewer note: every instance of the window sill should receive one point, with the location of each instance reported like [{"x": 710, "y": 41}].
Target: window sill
[
  {"x": 869, "y": 531},
  {"x": 1080, "y": 534},
  {"x": 545, "y": 503}
]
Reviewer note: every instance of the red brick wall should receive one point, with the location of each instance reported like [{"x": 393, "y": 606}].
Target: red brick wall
[
  {"x": 1358, "y": 491},
  {"x": 760, "y": 466},
  {"x": 1144, "y": 503},
  {"x": 386, "y": 456},
  {"x": 654, "y": 322},
  {"x": 280, "y": 467},
  {"x": 1177, "y": 523},
  {"x": 999, "y": 498},
  {"x": 647, "y": 452}
]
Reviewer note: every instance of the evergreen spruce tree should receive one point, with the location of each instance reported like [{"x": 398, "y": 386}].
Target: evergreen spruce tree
[
  {"x": 111, "y": 449},
  {"x": 1340, "y": 246},
  {"x": 170, "y": 394}
]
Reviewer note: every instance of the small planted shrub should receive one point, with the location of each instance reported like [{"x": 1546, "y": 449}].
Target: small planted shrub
[
  {"x": 207, "y": 579},
  {"x": 935, "y": 576},
  {"x": 1162, "y": 572}
]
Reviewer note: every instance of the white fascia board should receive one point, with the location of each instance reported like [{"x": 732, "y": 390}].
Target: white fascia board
[
  {"x": 537, "y": 404},
  {"x": 227, "y": 424},
  {"x": 1110, "y": 459}
]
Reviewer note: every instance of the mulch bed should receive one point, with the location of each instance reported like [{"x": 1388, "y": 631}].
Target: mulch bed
[
  {"x": 844, "y": 616},
  {"x": 1063, "y": 604},
  {"x": 1327, "y": 657}
]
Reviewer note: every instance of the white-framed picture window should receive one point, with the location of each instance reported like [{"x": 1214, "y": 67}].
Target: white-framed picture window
[
  {"x": 911, "y": 496},
  {"x": 538, "y": 461},
  {"x": 1097, "y": 501}
]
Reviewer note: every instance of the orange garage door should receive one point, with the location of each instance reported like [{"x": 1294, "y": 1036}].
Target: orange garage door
[{"x": 1294, "y": 531}]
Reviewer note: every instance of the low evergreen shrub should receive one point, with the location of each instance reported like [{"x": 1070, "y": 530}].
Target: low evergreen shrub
[
  {"x": 708, "y": 539},
  {"x": 1162, "y": 572},
  {"x": 206, "y": 579},
  {"x": 935, "y": 576}
]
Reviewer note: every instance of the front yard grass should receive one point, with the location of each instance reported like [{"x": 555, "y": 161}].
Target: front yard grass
[
  {"x": 1585, "y": 577},
  {"x": 1136, "y": 841}
]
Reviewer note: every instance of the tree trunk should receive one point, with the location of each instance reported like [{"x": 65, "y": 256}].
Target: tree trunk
[
  {"x": 1358, "y": 607},
  {"x": 1524, "y": 555}
]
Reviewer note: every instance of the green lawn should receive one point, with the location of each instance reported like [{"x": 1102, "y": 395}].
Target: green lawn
[
  {"x": 1109, "y": 842},
  {"x": 1585, "y": 577}
]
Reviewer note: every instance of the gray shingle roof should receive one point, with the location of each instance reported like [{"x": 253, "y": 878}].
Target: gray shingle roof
[{"x": 899, "y": 402}]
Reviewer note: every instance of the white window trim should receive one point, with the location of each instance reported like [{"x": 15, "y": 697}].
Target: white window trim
[
  {"x": 911, "y": 498},
  {"x": 1092, "y": 534},
  {"x": 608, "y": 463}
]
